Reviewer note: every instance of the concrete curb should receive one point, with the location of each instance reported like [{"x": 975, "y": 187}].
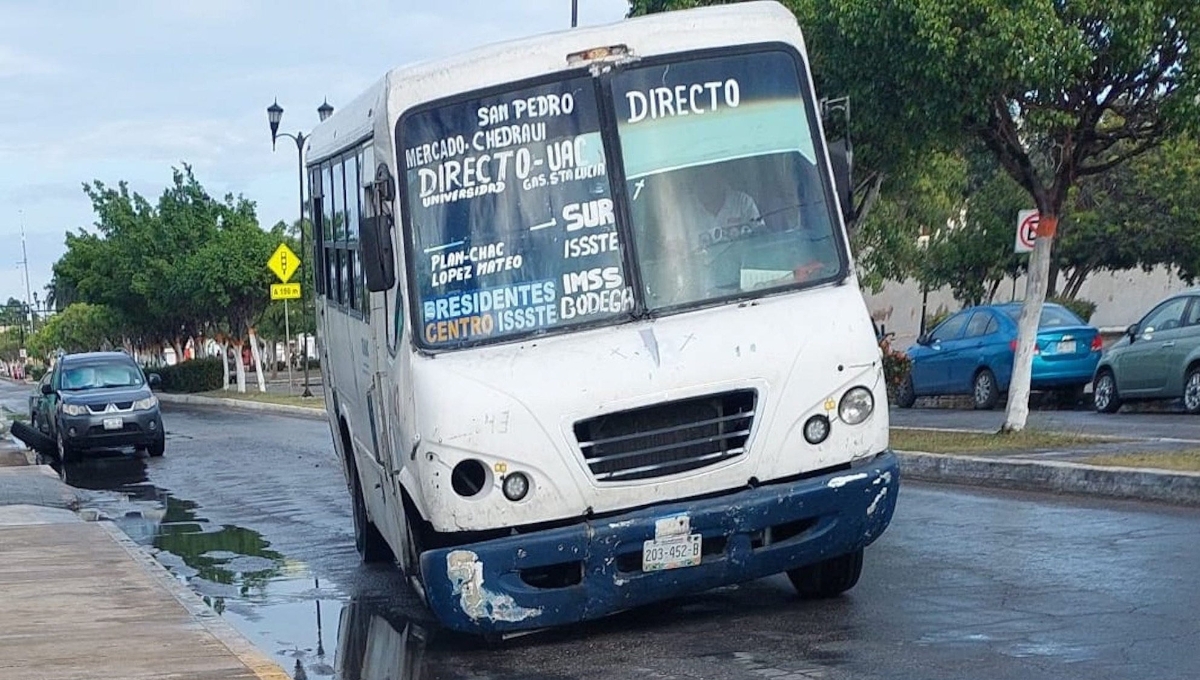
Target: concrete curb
[
  {"x": 1179, "y": 488},
  {"x": 259, "y": 663},
  {"x": 244, "y": 405}
]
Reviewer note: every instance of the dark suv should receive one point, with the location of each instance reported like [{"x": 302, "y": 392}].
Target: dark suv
[{"x": 99, "y": 400}]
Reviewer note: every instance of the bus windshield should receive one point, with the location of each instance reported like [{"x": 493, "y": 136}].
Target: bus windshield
[
  {"x": 513, "y": 226},
  {"x": 722, "y": 178},
  {"x": 511, "y": 213}
]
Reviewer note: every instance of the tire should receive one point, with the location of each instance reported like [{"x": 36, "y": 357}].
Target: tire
[
  {"x": 829, "y": 578},
  {"x": 157, "y": 447},
  {"x": 367, "y": 539},
  {"x": 906, "y": 394},
  {"x": 66, "y": 454},
  {"x": 1191, "y": 391},
  {"x": 412, "y": 565},
  {"x": 1105, "y": 397},
  {"x": 985, "y": 393}
]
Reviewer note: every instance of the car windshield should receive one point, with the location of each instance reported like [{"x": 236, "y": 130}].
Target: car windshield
[
  {"x": 722, "y": 179},
  {"x": 1053, "y": 316},
  {"x": 100, "y": 375}
]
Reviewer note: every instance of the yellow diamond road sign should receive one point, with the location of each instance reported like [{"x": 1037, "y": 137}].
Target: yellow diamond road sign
[
  {"x": 285, "y": 291},
  {"x": 284, "y": 262}
]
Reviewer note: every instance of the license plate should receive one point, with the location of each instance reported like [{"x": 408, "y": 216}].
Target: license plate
[
  {"x": 673, "y": 553},
  {"x": 1066, "y": 347},
  {"x": 113, "y": 423}
]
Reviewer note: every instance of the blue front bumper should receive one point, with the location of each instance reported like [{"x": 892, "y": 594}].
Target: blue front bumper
[{"x": 479, "y": 587}]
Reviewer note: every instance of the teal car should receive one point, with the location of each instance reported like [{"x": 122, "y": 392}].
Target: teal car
[{"x": 1158, "y": 358}]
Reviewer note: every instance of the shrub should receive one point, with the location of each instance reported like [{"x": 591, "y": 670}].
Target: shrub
[
  {"x": 34, "y": 371},
  {"x": 197, "y": 375},
  {"x": 896, "y": 367},
  {"x": 1083, "y": 309}
]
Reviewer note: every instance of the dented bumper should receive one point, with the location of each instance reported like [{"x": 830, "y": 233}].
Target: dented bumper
[{"x": 591, "y": 569}]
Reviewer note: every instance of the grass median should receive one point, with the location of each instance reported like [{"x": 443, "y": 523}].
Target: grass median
[
  {"x": 953, "y": 441},
  {"x": 267, "y": 398},
  {"x": 1187, "y": 460}
]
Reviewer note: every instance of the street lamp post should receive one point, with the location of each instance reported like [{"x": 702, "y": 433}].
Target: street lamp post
[{"x": 274, "y": 115}]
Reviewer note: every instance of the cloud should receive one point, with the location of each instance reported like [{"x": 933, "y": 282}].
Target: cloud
[{"x": 17, "y": 64}]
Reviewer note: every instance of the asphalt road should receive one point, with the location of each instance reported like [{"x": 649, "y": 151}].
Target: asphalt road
[
  {"x": 14, "y": 397},
  {"x": 1164, "y": 425},
  {"x": 252, "y": 512}
]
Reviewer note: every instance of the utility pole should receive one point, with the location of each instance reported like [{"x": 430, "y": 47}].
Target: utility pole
[
  {"x": 25, "y": 262},
  {"x": 574, "y": 13}
]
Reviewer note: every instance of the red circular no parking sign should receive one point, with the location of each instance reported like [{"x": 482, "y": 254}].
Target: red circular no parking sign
[{"x": 1027, "y": 230}]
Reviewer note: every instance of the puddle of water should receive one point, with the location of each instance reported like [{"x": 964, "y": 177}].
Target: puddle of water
[{"x": 307, "y": 625}]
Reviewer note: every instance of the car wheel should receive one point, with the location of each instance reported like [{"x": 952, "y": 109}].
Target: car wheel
[
  {"x": 157, "y": 447},
  {"x": 985, "y": 393},
  {"x": 829, "y": 578},
  {"x": 1191, "y": 391},
  {"x": 1104, "y": 393},
  {"x": 906, "y": 394},
  {"x": 66, "y": 454}
]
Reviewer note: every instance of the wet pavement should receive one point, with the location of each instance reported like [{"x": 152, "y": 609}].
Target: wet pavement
[{"x": 251, "y": 511}]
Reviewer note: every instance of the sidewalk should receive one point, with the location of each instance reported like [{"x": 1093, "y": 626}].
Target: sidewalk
[{"x": 81, "y": 600}]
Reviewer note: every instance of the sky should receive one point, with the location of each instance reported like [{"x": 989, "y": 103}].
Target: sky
[{"x": 126, "y": 89}]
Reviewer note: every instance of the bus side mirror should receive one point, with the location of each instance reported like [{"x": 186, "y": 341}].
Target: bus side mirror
[
  {"x": 379, "y": 260},
  {"x": 378, "y": 251},
  {"x": 841, "y": 156}
]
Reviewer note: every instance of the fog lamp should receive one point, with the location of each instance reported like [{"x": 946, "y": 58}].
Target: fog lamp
[
  {"x": 816, "y": 429},
  {"x": 516, "y": 486}
]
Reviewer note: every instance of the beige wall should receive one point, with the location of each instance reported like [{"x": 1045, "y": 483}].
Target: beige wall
[{"x": 1121, "y": 298}]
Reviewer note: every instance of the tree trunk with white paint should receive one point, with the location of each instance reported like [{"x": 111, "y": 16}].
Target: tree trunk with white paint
[
  {"x": 239, "y": 365},
  {"x": 224, "y": 365},
  {"x": 256, "y": 354},
  {"x": 1027, "y": 327}
]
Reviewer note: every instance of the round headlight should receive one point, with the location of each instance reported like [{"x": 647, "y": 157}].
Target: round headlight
[
  {"x": 516, "y": 486},
  {"x": 816, "y": 429},
  {"x": 856, "y": 406}
]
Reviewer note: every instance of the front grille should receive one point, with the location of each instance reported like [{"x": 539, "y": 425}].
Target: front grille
[
  {"x": 103, "y": 408},
  {"x": 665, "y": 439}
]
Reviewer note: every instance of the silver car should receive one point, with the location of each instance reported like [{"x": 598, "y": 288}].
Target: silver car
[{"x": 1159, "y": 358}]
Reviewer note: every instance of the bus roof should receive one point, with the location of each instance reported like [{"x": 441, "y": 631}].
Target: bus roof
[{"x": 523, "y": 58}]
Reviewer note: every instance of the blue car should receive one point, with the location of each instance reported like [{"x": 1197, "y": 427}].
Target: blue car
[{"x": 972, "y": 353}]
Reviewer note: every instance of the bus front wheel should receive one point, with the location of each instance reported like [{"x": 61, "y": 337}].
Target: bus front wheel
[
  {"x": 828, "y": 578},
  {"x": 367, "y": 539}
]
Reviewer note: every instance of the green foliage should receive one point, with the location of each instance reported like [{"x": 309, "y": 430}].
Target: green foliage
[
  {"x": 935, "y": 319},
  {"x": 1080, "y": 308},
  {"x": 35, "y": 371},
  {"x": 81, "y": 327},
  {"x": 975, "y": 254},
  {"x": 11, "y": 340},
  {"x": 896, "y": 367},
  {"x": 197, "y": 375},
  {"x": 187, "y": 265},
  {"x": 1142, "y": 213}
]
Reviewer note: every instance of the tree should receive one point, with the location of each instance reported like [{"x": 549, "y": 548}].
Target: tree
[
  {"x": 81, "y": 327},
  {"x": 1057, "y": 91},
  {"x": 229, "y": 275}
]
